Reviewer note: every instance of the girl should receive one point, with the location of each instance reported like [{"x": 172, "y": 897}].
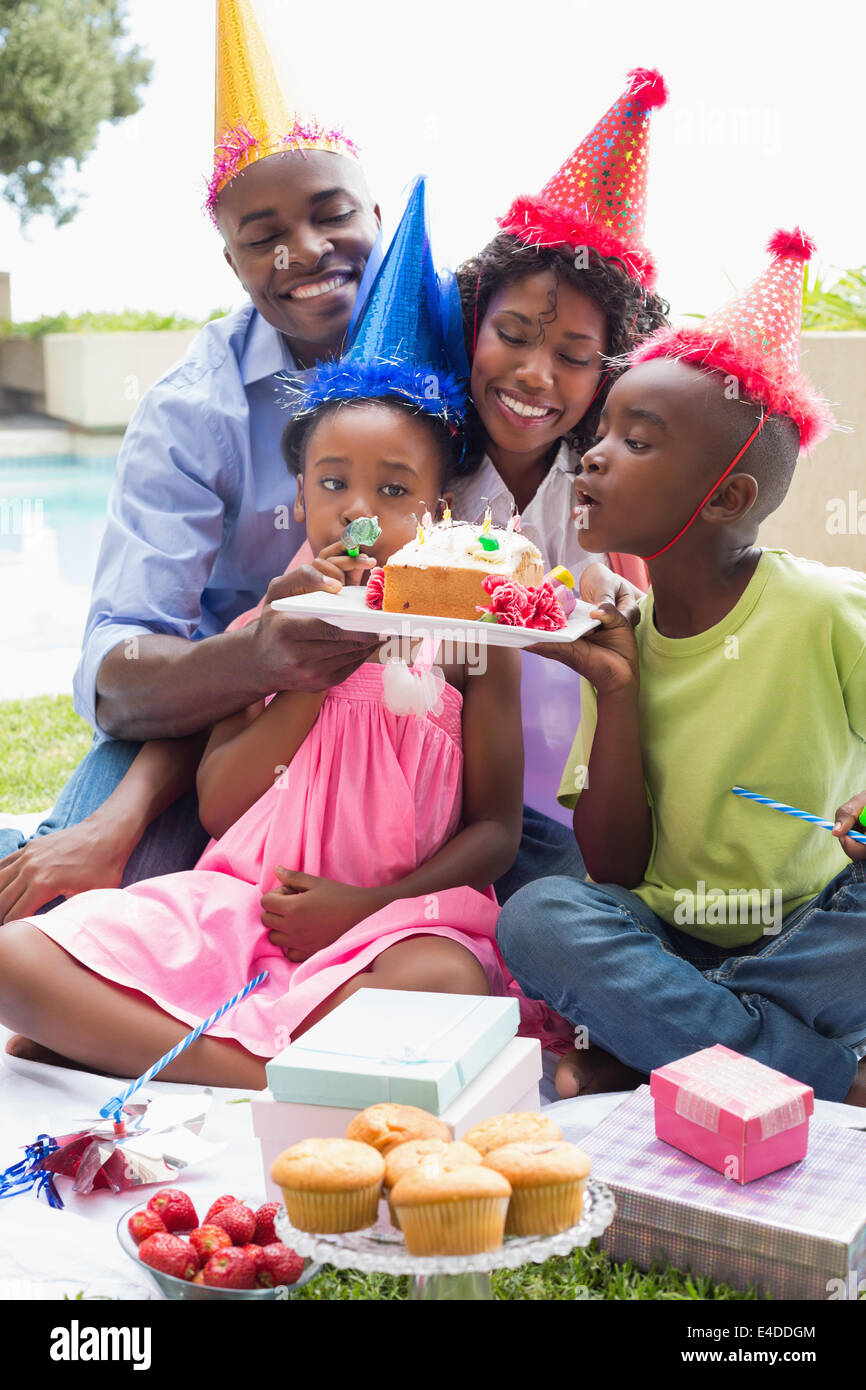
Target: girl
[{"x": 368, "y": 839}]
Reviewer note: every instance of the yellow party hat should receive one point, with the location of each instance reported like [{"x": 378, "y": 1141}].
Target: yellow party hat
[{"x": 252, "y": 116}]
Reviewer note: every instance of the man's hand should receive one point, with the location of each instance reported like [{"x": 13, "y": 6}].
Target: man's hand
[
  {"x": 607, "y": 657},
  {"x": 92, "y": 854},
  {"x": 300, "y": 653},
  {"x": 847, "y": 818},
  {"x": 307, "y": 913},
  {"x": 599, "y": 585}
]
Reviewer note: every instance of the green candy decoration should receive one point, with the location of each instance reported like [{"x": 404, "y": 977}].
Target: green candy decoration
[
  {"x": 364, "y": 530},
  {"x": 489, "y": 542}
]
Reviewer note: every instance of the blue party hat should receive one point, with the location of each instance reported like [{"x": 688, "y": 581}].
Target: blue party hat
[{"x": 403, "y": 342}]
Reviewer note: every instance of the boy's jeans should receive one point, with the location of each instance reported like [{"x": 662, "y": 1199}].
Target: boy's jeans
[
  {"x": 648, "y": 993},
  {"x": 175, "y": 840}
]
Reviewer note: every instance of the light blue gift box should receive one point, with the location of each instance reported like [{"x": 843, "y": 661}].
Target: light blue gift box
[{"x": 394, "y": 1045}]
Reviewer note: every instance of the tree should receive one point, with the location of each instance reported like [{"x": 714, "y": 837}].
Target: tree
[{"x": 65, "y": 67}]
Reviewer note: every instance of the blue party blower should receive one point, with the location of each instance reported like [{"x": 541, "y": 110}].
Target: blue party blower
[{"x": 394, "y": 1045}]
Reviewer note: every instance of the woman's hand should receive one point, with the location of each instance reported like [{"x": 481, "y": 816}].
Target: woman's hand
[
  {"x": 92, "y": 854},
  {"x": 848, "y": 818},
  {"x": 607, "y": 657},
  {"x": 599, "y": 585},
  {"x": 307, "y": 913}
]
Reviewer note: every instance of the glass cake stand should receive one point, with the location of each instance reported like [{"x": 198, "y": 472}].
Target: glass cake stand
[{"x": 380, "y": 1249}]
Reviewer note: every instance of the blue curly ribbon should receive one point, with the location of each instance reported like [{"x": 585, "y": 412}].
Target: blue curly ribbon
[{"x": 21, "y": 1177}]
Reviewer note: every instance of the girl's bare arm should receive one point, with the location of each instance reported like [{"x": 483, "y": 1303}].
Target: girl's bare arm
[{"x": 247, "y": 751}]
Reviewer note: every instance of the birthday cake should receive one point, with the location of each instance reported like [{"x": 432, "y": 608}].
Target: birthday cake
[{"x": 442, "y": 572}]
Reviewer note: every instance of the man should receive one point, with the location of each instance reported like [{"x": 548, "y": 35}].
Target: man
[{"x": 199, "y": 520}]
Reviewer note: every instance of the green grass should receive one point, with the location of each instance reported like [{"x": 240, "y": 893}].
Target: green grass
[
  {"x": 41, "y": 741},
  {"x": 587, "y": 1275}
]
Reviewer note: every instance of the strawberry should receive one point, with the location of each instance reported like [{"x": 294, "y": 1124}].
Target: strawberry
[
  {"x": 206, "y": 1240},
  {"x": 279, "y": 1265},
  {"x": 216, "y": 1206},
  {"x": 238, "y": 1220},
  {"x": 175, "y": 1208},
  {"x": 255, "y": 1254},
  {"x": 170, "y": 1255},
  {"x": 264, "y": 1233},
  {"x": 145, "y": 1223},
  {"x": 230, "y": 1269}
]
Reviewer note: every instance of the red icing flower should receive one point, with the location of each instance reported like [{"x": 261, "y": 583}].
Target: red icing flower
[
  {"x": 548, "y": 616},
  {"x": 375, "y": 595},
  {"x": 522, "y": 605}
]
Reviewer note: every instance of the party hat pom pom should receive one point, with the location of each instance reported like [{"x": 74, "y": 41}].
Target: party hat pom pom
[
  {"x": 795, "y": 243},
  {"x": 648, "y": 87}
]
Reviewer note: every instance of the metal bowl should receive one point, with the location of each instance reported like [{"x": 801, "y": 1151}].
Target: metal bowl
[{"x": 172, "y": 1287}]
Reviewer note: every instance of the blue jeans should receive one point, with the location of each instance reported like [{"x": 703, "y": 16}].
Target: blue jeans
[
  {"x": 173, "y": 841},
  {"x": 648, "y": 993},
  {"x": 546, "y": 848}
]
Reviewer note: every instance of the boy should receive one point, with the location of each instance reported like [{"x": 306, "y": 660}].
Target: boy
[{"x": 748, "y": 668}]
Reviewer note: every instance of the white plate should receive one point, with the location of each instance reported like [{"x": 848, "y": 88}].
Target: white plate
[{"x": 348, "y": 611}]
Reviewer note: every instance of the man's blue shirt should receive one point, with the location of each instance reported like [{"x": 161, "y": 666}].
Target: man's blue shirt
[{"x": 200, "y": 514}]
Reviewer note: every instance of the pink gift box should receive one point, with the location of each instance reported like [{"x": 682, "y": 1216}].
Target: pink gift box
[{"x": 731, "y": 1112}]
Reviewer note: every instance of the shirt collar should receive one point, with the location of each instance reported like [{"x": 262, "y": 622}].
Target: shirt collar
[{"x": 265, "y": 351}]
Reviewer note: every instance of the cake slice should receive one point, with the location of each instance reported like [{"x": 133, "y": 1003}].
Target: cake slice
[{"x": 442, "y": 574}]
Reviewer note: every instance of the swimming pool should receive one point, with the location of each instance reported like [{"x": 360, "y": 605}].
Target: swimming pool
[{"x": 52, "y": 515}]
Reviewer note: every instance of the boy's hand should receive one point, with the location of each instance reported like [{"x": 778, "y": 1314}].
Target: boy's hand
[
  {"x": 599, "y": 585},
  {"x": 309, "y": 913},
  {"x": 847, "y": 818},
  {"x": 607, "y": 657}
]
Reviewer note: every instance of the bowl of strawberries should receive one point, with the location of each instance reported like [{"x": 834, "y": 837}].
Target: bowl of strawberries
[{"x": 233, "y": 1252}]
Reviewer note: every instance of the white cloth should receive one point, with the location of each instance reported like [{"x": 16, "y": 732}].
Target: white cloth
[
  {"x": 547, "y": 521},
  {"x": 45, "y": 1253}
]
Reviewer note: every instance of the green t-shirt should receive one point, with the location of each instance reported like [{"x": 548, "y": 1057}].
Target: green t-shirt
[{"x": 773, "y": 699}]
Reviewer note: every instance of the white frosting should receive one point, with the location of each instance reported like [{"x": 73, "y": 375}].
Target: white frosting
[{"x": 456, "y": 545}]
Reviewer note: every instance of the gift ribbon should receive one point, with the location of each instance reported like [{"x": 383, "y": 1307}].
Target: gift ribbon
[
  {"x": 406, "y": 1056},
  {"x": 714, "y": 1081},
  {"x": 21, "y": 1177}
]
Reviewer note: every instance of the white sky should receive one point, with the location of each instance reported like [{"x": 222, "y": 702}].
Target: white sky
[{"x": 763, "y": 129}]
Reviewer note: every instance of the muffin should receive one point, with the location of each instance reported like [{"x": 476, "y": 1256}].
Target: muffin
[
  {"x": 387, "y": 1125},
  {"x": 523, "y": 1126},
  {"x": 547, "y": 1183},
  {"x": 405, "y": 1157},
  {"x": 330, "y": 1184},
  {"x": 451, "y": 1211}
]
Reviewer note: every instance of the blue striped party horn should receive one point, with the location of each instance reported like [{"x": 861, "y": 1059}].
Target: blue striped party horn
[
  {"x": 792, "y": 811},
  {"x": 114, "y": 1106}
]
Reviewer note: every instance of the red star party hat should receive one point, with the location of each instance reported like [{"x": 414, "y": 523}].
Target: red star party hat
[
  {"x": 755, "y": 338},
  {"x": 598, "y": 197}
]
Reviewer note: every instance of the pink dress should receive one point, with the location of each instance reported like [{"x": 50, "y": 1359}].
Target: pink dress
[{"x": 367, "y": 798}]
